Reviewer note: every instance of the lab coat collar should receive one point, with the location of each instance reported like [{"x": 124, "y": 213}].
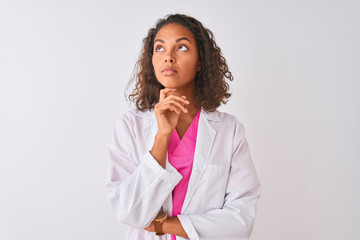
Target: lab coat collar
[{"x": 204, "y": 141}]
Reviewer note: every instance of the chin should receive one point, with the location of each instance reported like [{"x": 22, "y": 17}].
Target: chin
[
  {"x": 166, "y": 84},
  {"x": 172, "y": 83}
]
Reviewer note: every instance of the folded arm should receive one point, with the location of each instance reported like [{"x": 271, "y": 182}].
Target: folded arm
[{"x": 137, "y": 186}]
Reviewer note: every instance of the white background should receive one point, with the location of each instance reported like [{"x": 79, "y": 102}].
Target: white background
[{"x": 64, "y": 66}]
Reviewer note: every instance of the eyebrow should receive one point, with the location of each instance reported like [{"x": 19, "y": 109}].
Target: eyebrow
[{"x": 177, "y": 40}]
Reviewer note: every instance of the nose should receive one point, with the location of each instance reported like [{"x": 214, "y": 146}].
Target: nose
[{"x": 169, "y": 59}]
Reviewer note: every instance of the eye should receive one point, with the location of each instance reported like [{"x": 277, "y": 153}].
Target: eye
[
  {"x": 182, "y": 48},
  {"x": 159, "y": 49}
]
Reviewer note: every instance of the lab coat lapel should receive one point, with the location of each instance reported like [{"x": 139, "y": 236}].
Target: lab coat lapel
[{"x": 204, "y": 141}]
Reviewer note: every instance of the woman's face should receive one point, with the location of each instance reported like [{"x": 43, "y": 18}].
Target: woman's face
[{"x": 175, "y": 57}]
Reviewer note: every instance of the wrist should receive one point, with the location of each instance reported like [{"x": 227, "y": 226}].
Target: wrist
[
  {"x": 172, "y": 225},
  {"x": 162, "y": 137},
  {"x": 165, "y": 226},
  {"x": 162, "y": 140},
  {"x": 168, "y": 224},
  {"x": 159, "y": 148},
  {"x": 159, "y": 221}
]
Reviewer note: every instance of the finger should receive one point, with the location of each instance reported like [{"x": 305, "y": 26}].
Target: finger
[
  {"x": 167, "y": 90},
  {"x": 168, "y": 106},
  {"x": 164, "y": 91},
  {"x": 177, "y": 98},
  {"x": 174, "y": 109},
  {"x": 177, "y": 104}
]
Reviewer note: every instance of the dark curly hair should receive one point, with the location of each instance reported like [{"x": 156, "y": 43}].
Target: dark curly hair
[{"x": 211, "y": 89}]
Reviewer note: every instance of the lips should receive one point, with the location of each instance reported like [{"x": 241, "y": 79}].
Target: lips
[{"x": 169, "y": 71}]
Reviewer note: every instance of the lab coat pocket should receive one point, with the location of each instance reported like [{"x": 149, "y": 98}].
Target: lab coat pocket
[{"x": 212, "y": 186}]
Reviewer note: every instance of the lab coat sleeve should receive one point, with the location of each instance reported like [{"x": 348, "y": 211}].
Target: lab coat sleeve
[
  {"x": 235, "y": 219},
  {"x": 137, "y": 186}
]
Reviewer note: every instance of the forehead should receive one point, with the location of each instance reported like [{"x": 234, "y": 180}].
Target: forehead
[{"x": 175, "y": 31}]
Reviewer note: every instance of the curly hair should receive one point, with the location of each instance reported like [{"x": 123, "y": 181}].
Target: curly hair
[{"x": 211, "y": 89}]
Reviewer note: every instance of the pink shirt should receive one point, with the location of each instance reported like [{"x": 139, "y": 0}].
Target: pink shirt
[{"x": 181, "y": 156}]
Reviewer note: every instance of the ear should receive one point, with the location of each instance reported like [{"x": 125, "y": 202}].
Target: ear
[{"x": 198, "y": 67}]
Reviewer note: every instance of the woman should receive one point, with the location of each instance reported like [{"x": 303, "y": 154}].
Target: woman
[{"x": 178, "y": 167}]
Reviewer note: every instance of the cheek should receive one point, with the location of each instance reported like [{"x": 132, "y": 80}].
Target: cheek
[
  {"x": 155, "y": 67},
  {"x": 192, "y": 66},
  {"x": 155, "y": 63}
]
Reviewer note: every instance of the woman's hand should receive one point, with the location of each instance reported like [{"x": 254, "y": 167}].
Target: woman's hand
[
  {"x": 150, "y": 228},
  {"x": 172, "y": 226},
  {"x": 168, "y": 110}
]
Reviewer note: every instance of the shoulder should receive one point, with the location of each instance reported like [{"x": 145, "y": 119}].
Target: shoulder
[
  {"x": 222, "y": 117},
  {"x": 134, "y": 120},
  {"x": 134, "y": 115},
  {"x": 228, "y": 117},
  {"x": 225, "y": 122}
]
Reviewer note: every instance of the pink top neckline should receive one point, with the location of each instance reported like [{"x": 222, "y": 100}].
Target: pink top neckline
[{"x": 187, "y": 142}]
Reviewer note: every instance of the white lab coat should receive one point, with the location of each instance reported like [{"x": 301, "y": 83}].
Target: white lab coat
[{"x": 223, "y": 190}]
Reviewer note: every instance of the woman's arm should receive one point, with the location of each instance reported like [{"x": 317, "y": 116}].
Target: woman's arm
[
  {"x": 167, "y": 112},
  {"x": 159, "y": 149},
  {"x": 137, "y": 185}
]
